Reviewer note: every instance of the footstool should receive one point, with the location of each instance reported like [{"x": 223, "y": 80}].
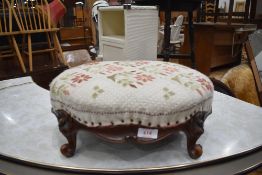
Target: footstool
[{"x": 141, "y": 101}]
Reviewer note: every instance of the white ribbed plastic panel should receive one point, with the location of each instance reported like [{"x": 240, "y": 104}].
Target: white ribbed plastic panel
[{"x": 128, "y": 34}]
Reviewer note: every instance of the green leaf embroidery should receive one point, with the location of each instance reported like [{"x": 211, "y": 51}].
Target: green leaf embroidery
[
  {"x": 166, "y": 97},
  {"x": 165, "y": 89},
  {"x": 94, "y": 95},
  {"x": 97, "y": 91},
  {"x": 100, "y": 91},
  {"x": 112, "y": 77},
  {"x": 171, "y": 93},
  {"x": 176, "y": 78},
  {"x": 168, "y": 93}
]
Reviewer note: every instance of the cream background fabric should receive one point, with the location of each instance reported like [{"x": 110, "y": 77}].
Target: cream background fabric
[{"x": 150, "y": 93}]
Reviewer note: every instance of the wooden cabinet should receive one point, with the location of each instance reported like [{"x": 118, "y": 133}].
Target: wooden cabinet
[{"x": 218, "y": 44}]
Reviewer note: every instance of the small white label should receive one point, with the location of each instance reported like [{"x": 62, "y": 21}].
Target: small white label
[{"x": 147, "y": 133}]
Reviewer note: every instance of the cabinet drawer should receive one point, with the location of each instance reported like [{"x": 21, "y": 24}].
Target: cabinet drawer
[{"x": 112, "y": 53}]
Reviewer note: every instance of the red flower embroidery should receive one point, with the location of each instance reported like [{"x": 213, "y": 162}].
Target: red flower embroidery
[
  {"x": 139, "y": 63},
  {"x": 92, "y": 63},
  {"x": 80, "y": 77},
  {"x": 204, "y": 83},
  {"x": 170, "y": 69},
  {"x": 144, "y": 78},
  {"x": 113, "y": 68},
  {"x": 66, "y": 92}
]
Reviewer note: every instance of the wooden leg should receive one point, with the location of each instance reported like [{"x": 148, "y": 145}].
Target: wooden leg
[
  {"x": 193, "y": 130},
  {"x": 68, "y": 129},
  {"x": 59, "y": 49},
  {"x": 50, "y": 47},
  {"x": 20, "y": 59},
  {"x": 30, "y": 54},
  {"x": 69, "y": 148}
]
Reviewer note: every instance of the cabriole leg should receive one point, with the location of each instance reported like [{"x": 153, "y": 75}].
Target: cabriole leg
[
  {"x": 193, "y": 130},
  {"x": 67, "y": 128}
]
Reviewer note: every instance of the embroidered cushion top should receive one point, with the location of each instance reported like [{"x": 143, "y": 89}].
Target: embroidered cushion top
[{"x": 149, "y": 93}]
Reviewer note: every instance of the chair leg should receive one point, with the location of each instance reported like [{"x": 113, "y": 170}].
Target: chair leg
[
  {"x": 30, "y": 52},
  {"x": 50, "y": 47},
  {"x": 20, "y": 59},
  {"x": 23, "y": 44},
  {"x": 58, "y": 47}
]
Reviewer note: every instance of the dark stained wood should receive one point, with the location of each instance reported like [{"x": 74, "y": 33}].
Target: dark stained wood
[
  {"x": 256, "y": 13},
  {"x": 76, "y": 36},
  {"x": 240, "y": 16},
  {"x": 44, "y": 77},
  {"x": 230, "y": 11},
  {"x": 253, "y": 9},
  {"x": 221, "y": 87},
  {"x": 174, "y": 5},
  {"x": 193, "y": 128},
  {"x": 191, "y": 38},
  {"x": 213, "y": 44},
  {"x": 246, "y": 17},
  {"x": 216, "y": 10},
  {"x": 167, "y": 30}
]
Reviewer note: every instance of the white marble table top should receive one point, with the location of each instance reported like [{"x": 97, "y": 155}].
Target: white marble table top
[{"x": 29, "y": 132}]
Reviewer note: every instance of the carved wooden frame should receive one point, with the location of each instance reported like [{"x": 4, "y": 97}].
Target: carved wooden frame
[{"x": 193, "y": 128}]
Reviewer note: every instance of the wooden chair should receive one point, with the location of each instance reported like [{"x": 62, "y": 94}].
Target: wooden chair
[
  {"x": 9, "y": 28},
  {"x": 254, "y": 53},
  {"x": 31, "y": 18},
  {"x": 35, "y": 18}
]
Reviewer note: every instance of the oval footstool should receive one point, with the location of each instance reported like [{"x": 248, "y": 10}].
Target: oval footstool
[{"x": 142, "y": 101}]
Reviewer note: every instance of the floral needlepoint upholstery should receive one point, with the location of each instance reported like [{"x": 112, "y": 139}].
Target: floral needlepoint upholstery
[{"x": 148, "y": 93}]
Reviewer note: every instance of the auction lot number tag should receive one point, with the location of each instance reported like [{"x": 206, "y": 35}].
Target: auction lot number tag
[{"x": 147, "y": 133}]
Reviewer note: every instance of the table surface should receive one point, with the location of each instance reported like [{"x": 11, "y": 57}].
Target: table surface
[{"x": 29, "y": 134}]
